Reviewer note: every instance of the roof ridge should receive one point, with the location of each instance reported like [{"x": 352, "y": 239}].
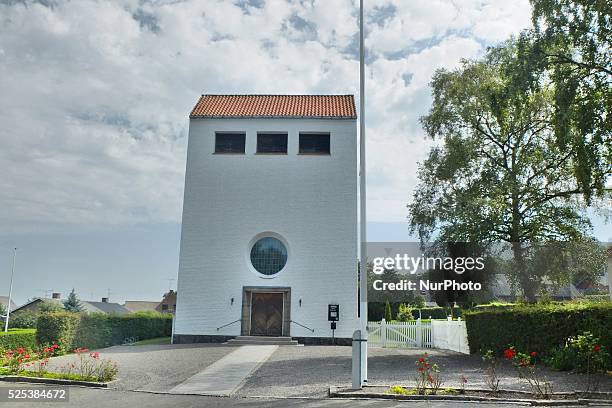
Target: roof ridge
[
  {"x": 275, "y": 105},
  {"x": 269, "y": 94}
]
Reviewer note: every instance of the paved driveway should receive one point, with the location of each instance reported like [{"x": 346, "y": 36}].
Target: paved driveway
[
  {"x": 156, "y": 367},
  {"x": 300, "y": 371}
]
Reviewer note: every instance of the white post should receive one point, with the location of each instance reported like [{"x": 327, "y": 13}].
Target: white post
[
  {"x": 383, "y": 332},
  {"x": 8, "y": 306},
  {"x": 363, "y": 275},
  {"x": 356, "y": 369},
  {"x": 419, "y": 333}
]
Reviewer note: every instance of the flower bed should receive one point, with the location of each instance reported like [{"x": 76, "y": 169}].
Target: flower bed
[
  {"x": 474, "y": 395},
  {"x": 33, "y": 364}
]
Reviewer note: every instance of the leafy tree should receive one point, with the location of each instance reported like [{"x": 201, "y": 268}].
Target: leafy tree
[
  {"x": 573, "y": 46},
  {"x": 388, "y": 314},
  {"x": 499, "y": 173},
  {"x": 72, "y": 304},
  {"x": 2, "y": 310},
  {"x": 48, "y": 306}
]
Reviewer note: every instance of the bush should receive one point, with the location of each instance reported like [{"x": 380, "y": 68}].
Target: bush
[
  {"x": 97, "y": 330},
  {"x": 537, "y": 327},
  {"x": 16, "y": 338},
  {"x": 23, "y": 320},
  {"x": 405, "y": 313},
  {"x": 583, "y": 352},
  {"x": 57, "y": 327}
]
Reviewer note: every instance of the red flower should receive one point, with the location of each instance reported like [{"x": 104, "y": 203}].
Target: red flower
[
  {"x": 421, "y": 360},
  {"x": 533, "y": 354},
  {"x": 85, "y": 350},
  {"x": 27, "y": 356},
  {"x": 509, "y": 353},
  {"x": 597, "y": 348},
  {"x": 430, "y": 378}
]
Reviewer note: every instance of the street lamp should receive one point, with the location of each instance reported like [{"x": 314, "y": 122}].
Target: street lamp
[{"x": 8, "y": 306}]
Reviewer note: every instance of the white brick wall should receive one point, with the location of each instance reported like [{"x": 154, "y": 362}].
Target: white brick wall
[{"x": 311, "y": 201}]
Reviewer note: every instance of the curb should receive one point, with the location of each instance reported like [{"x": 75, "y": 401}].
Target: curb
[
  {"x": 55, "y": 381},
  {"x": 336, "y": 392}
]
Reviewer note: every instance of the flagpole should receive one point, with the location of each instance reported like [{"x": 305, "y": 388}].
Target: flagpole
[
  {"x": 8, "y": 306},
  {"x": 363, "y": 277}
]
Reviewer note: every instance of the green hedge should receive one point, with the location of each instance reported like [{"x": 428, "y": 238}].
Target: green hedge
[
  {"x": 15, "y": 338},
  {"x": 101, "y": 330},
  {"x": 23, "y": 320},
  {"x": 538, "y": 327}
]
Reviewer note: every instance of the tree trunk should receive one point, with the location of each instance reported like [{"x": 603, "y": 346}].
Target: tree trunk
[{"x": 528, "y": 284}]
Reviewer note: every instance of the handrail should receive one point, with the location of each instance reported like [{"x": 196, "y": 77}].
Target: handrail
[
  {"x": 299, "y": 324},
  {"x": 225, "y": 325}
]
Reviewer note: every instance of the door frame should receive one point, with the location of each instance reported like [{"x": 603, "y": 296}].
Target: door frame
[{"x": 247, "y": 305}]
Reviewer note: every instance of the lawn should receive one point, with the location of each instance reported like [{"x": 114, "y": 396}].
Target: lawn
[{"x": 157, "y": 340}]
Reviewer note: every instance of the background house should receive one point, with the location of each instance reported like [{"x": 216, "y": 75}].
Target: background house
[
  {"x": 104, "y": 306},
  {"x": 4, "y": 302},
  {"x": 168, "y": 303},
  {"x": 141, "y": 306}
]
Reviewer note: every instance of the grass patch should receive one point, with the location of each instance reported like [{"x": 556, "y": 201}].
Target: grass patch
[
  {"x": 57, "y": 376},
  {"x": 157, "y": 340},
  {"x": 17, "y": 331}
]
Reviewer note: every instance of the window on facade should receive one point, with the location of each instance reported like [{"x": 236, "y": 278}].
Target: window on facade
[
  {"x": 268, "y": 256},
  {"x": 229, "y": 142},
  {"x": 164, "y": 307},
  {"x": 272, "y": 143},
  {"x": 314, "y": 143}
]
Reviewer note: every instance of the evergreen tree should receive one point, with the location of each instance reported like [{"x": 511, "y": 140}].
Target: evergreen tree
[
  {"x": 388, "y": 314},
  {"x": 72, "y": 304}
]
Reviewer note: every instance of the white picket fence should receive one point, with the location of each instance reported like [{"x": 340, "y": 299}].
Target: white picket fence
[{"x": 442, "y": 334}]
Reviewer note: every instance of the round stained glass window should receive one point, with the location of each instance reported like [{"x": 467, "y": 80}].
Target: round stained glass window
[{"x": 268, "y": 256}]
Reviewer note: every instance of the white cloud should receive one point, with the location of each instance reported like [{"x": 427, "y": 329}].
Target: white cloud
[{"x": 95, "y": 95}]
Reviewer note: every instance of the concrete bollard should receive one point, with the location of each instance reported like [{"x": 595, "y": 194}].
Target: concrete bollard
[{"x": 356, "y": 362}]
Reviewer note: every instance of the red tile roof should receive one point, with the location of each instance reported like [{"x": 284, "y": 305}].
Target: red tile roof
[{"x": 275, "y": 106}]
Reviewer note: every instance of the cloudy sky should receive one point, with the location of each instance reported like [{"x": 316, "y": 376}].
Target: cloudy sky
[{"x": 94, "y": 98}]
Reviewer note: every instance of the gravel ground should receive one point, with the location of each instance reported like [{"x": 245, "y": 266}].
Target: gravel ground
[
  {"x": 303, "y": 371},
  {"x": 154, "y": 367},
  {"x": 309, "y": 371}
]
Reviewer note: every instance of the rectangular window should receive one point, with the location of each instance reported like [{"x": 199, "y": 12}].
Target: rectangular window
[
  {"x": 314, "y": 143},
  {"x": 230, "y": 142},
  {"x": 272, "y": 143}
]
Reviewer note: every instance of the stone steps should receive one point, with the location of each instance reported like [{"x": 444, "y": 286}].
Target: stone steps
[{"x": 262, "y": 340}]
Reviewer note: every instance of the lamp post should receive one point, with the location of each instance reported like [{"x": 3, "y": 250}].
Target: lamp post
[
  {"x": 8, "y": 306},
  {"x": 363, "y": 267}
]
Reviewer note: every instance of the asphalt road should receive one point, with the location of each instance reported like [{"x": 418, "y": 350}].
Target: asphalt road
[{"x": 100, "y": 398}]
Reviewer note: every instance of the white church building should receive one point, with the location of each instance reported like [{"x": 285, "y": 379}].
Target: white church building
[{"x": 269, "y": 230}]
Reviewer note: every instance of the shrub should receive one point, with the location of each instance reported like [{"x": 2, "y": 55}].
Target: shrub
[
  {"x": 405, "y": 313},
  {"x": 73, "y": 330},
  {"x": 583, "y": 352},
  {"x": 16, "y": 338},
  {"x": 538, "y": 327},
  {"x": 23, "y": 320}
]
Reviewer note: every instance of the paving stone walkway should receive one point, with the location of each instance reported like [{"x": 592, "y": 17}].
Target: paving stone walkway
[{"x": 224, "y": 376}]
